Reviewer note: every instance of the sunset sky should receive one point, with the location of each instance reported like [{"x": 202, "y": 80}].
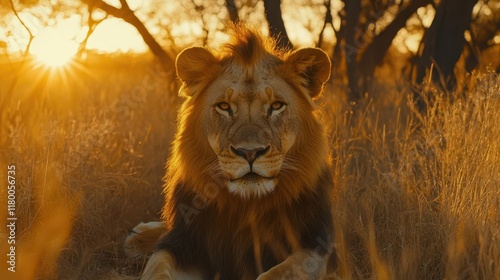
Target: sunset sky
[
  {"x": 57, "y": 39},
  {"x": 115, "y": 35},
  {"x": 111, "y": 35}
]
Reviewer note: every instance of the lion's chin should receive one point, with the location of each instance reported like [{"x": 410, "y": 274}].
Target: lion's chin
[{"x": 252, "y": 187}]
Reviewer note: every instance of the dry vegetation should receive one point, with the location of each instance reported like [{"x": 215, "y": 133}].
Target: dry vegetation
[{"x": 417, "y": 194}]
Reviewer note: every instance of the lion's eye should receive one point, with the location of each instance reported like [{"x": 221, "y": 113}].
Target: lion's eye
[
  {"x": 277, "y": 105},
  {"x": 276, "y": 108},
  {"x": 224, "y": 109},
  {"x": 223, "y": 106}
]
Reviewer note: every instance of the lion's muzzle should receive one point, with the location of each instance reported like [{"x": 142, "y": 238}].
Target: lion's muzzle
[{"x": 250, "y": 154}]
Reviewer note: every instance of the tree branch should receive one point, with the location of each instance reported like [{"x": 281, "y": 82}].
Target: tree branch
[
  {"x": 328, "y": 20},
  {"x": 92, "y": 24},
  {"x": 129, "y": 16},
  {"x": 125, "y": 5},
  {"x": 375, "y": 52},
  {"x": 25, "y": 27}
]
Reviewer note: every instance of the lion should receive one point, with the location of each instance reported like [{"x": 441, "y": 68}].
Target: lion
[{"x": 248, "y": 184}]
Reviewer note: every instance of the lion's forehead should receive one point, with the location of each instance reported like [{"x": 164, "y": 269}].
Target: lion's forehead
[{"x": 263, "y": 89}]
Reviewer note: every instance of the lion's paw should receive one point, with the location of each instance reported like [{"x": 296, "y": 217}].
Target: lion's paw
[{"x": 143, "y": 238}]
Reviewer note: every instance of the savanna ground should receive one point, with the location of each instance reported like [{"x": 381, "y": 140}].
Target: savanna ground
[{"x": 417, "y": 194}]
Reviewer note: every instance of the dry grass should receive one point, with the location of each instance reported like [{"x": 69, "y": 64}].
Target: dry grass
[{"x": 417, "y": 194}]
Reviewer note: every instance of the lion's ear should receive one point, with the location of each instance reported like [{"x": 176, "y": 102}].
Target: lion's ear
[
  {"x": 310, "y": 68},
  {"x": 196, "y": 67}
]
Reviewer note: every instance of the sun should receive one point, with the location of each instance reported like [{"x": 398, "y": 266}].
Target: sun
[{"x": 52, "y": 48}]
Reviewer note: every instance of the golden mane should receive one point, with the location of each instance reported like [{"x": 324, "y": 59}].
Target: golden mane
[
  {"x": 191, "y": 156},
  {"x": 248, "y": 182},
  {"x": 248, "y": 47}
]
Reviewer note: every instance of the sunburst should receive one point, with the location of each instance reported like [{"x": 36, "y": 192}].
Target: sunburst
[{"x": 52, "y": 48}]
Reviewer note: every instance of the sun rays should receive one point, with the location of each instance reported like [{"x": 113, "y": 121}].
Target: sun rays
[{"x": 53, "y": 49}]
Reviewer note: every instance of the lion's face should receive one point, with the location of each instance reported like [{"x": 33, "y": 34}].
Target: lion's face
[
  {"x": 251, "y": 127},
  {"x": 251, "y": 106}
]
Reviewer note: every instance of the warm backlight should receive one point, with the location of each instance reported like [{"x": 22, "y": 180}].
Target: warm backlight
[{"x": 52, "y": 48}]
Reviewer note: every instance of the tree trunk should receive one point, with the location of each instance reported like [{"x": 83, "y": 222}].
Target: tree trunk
[
  {"x": 233, "y": 11},
  {"x": 276, "y": 25},
  {"x": 352, "y": 10},
  {"x": 445, "y": 40}
]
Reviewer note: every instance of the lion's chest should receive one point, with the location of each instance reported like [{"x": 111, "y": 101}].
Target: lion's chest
[
  {"x": 241, "y": 240},
  {"x": 244, "y": 243}
]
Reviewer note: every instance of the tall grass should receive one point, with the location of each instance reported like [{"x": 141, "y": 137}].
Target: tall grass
[
  {"x": 89, "y": 160},
  {"x": 417, "y": 193}
]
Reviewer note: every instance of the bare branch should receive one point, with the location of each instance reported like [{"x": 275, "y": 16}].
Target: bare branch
[
  {"x": 25, "y": 27},
  {"x": 92, "y": 24},
  {"x": 378, "y": 47},
  {"x": 125, "y": 13},
  {"x": 124, "y": 4},
  {"x": 200, "y": 9},
  {"x": 328, "y": 20}
]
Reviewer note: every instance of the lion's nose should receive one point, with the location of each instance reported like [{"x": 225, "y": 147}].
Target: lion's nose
[{"x": 250, "y": 155}]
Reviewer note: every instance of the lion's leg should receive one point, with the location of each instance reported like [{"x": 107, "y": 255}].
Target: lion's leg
[
  {"x": 304, "y": 264},
  {"x": 143, "y": 238},
  {"x": 161, "y": 266}
]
